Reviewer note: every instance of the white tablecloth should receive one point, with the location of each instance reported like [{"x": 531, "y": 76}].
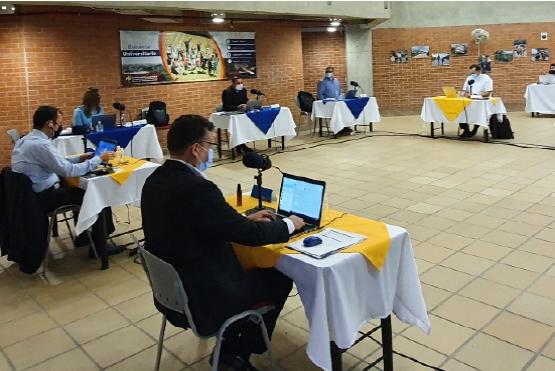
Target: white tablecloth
[
  {"x": 103, "y": 191},
  {"x": 242, "y": 130},
  {"x": 343, "y": 291},
  {"x": 144, "y": 144},
  {"x": 478, "y": 112},
  {"x": 342, "y": 117},
  {"x": 540, "y": 98}
]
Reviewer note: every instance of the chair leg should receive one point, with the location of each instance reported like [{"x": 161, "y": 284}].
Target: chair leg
[
  {"x": 48, "y": 238},
  {"x": 160, "y": 344},
  {"x": 216, "y": 354},
  {"x": 68, "y": 227},
  {"x": 266, "y": 339}
]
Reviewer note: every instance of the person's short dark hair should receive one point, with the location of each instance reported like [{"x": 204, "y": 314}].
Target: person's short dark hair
[
  {"x": 475, "y": 67},
  {"x": 43, "y": 114},
  {"x": 329, "y": 68},
  {"x": 185, "y": 131},
  {"x": 235, "y": 78}
]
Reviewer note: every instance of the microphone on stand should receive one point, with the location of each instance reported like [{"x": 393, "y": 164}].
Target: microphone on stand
[
  {"x": 470, "y": 83},
  {"x": 262, "y": 163},
  {"x": 121, "y": 108},
  {"x": 257, "y": 92}
]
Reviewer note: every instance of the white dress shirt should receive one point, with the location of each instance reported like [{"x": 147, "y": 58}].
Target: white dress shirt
[
  {"x": 482, "y": 83},
  {"x": 35, "y": 156}
]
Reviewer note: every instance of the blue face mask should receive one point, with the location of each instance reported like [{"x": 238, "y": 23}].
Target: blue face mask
[{"x": 206, "y": 164}]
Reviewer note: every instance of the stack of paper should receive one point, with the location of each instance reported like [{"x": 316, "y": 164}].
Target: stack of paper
[{"x": 332, "y": 240}]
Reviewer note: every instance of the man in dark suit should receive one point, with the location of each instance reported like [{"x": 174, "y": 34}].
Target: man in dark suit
[
  {"x": 234, "y": 98},
  {"x": 188, "y": 223}
]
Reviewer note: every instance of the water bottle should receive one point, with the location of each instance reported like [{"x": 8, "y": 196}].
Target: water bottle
[{"x": 99, "y": 126}]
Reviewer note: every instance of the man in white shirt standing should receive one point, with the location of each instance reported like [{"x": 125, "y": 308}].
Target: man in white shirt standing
[{"x": 477, "y": 85}]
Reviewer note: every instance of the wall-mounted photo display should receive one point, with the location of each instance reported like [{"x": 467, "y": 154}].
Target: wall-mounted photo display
[
  {"x": 440, "y": 59},
  {"x": 459, "y": 49},
  {"x": 540, "y": 54},
  {"x": 420, "y": 51},
  {"x": 399, "y": 56},
  {"x": 503, "y": 56},
  {"x": 520, "y": 48}
]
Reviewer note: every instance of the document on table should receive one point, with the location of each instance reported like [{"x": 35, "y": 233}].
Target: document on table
[{"x": 333, "y": 240}]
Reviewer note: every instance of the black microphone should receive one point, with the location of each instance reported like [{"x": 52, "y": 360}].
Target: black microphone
[
  {"x": 355, "y": 84},
  {"x": 257, "y": 92},
  {"x": 470, "y": 83},
  {"x": 119, "y": 106},
  {"x": 255, "y": 161}
]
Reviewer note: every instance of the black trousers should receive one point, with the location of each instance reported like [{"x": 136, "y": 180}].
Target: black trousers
[
  {"x": 262, "y": 286},
  {"x": 52, "y": 198},
  {"x": 466, "y": 128}
]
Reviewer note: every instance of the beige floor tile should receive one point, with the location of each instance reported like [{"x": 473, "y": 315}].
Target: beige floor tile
[
  {"x": 98, "y": 278},
  {"x": 298, "y": 361},
  {"x": 146, "y": 359},
  {"x": 137, "y": 308},
  {"x": 524, "y": 229},
  {"x": 379, "y": 211},
  {"x": 4, "y": 364},
  {"x": 407, "y": 216},
  {"x": 542, "y": 209},
  {"x": 467, "y": 263},
  {"x": 466, "y": 312},
  {"x": 535, "y": 307},
  {"x": 504, "y": 238},
  {"x": 17, "y": 309},
  {"x": 454, "y": 365},
  {"x": 122, "y": 291},
  {"x": 431, "y": 252},
  {"x": 425, "y": 208},
  {"x": 487, "y": 250},
  {"x": 468, "y": 230},
  {"x": 117, "y": 345},
  {"x": 25, "y": 327},
  {"x": 436, "y": 222},
  {"x": 549, "y": 349},
  {"x": 542, "y": 364},
  {"x": 488, "y": 353},
  {"x": 298, "y": 318},
  {"x": 188, "y": 348},
  {"x": 520, "y": 331},
  {"x": 423, "y": 265},
  {"x": 445, "y": 336},
  {"x": 528, "y": 261},
  {"x": 510, "y": 276},
  {"x": 44, "y": 346},
  {"x": 74, "y": 308},
  {"x": 433, "y": 295},
  {"x": 539, "y": 247},
  {"x": 490, "y": 292},
  {"x": 450, "y": 241},
  {"x": 95, "y": 325},
  {"x": 152, "y": 325},
  {"x": 534, "y": 219},
  {"x": 544, "y": 286},
  {"x": 500, "y": 212},
  {"x": 287, "y": 339},
  {"x": 547, "y": 234},
  {"x": 75, "y": 359},
  {"x": 442, "y": 201},
  {"x": 454, "y": 214},
  {"x": 398, "y": 202},
  {"x": 421, "y": 233},
  {"x": 445, "y": 278},
  {"x": 486, "y": 221}
]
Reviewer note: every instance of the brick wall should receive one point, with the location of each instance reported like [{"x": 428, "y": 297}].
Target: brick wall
[
  {"x": 52, "y": 59},
  {"x": 322, "y": 49},
  {"x": 402, "y": 87}
]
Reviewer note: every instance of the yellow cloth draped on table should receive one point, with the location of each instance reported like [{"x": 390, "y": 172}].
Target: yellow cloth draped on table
[
  {"x": 374, "y": 248},
  {"x": 125, "y": 169},
  {"x": 451, "y": 107}
]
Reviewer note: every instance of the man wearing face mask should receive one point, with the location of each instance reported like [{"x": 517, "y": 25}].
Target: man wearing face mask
[
  {"x": 329, "y": 86},
  {"x": 188, "y": 223},
  {"x": 234, "y": 98},
  {"x": 476, "y": 84},
  {"x": 35, "y": 156}
]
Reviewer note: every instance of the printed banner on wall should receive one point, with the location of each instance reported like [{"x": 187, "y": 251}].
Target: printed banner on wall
[{"x": 153, "y": 57}]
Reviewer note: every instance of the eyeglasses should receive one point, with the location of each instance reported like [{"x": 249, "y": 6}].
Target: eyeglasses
[{"x": 205, "y": 141}]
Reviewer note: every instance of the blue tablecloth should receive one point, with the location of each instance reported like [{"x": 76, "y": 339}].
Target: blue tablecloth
[
  {"x": 356, "y": 105},
  {"x": 264, "y": 119},
  {"x": 122, "y": 135}
]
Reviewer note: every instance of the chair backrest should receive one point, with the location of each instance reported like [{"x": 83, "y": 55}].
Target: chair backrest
[
  {"x": 14, "y": 135},
  {"x": 157, "y": 114},
  {"x": 166, "y": 285},
  {"x": 305, "y": 101}
]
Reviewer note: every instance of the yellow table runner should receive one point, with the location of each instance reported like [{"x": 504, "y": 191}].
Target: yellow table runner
[
  {"x": 125, "y": 169},
  {"x": 374, "y": 248},
  {"x": 451, "y": 107}
]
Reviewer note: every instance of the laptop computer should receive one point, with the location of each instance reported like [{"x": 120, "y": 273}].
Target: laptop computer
[
  {"x": 107, "y": 121},
  {"x": 302, "y": 197},
  {"x": 547, "y": 79},
  {"x": 450, "y": 92},
  {"x": 105, "y": 145}
]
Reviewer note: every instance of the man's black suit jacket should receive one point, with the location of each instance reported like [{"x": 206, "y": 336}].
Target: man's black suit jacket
[{"x": 188, "y": 223}]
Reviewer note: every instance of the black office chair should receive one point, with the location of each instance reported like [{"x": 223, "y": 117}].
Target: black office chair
[{"x": 157, "y": 114}]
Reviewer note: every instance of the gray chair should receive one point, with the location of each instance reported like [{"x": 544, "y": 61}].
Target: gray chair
[
  {"x": 169, "y": 291},
  {"x": 14, "y": 135}
]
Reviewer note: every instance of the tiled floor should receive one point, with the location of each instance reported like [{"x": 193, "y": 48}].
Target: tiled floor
[{"x": 482, "y": 221}]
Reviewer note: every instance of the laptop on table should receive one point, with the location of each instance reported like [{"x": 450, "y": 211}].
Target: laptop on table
[
  {"x": 302, "y": 197},
  {"x": 105, "y": 145},
  {"x": 107, "y": 121}
]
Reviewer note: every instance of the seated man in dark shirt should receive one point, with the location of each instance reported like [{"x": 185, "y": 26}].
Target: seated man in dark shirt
[{"x": 234, "y": 98}]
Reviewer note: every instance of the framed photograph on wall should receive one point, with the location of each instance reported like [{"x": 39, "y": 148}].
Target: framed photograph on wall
[
  {"x": 540, "y": 54},
  {"x": 520, "y": 48},
  {"x": 440, "y": 59},
  {"x": 459, "y": 49},
  {"x": 503, "y": 56},
  {"x": 420, "y": 51},
  {"x": 399, "y": 56}
]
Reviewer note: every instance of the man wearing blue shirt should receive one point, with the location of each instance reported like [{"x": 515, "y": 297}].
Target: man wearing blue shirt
[
  {"x": 329, "y": 86},
  {"x": 35, "y": 156}
]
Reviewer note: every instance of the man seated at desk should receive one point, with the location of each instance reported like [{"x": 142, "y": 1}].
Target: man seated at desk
[
  {"x": 234, "y": 98},
  {"x": 35, "y": 156},
  {"x": 477, "y": 84},
  {"x": 188, "y": 223}
]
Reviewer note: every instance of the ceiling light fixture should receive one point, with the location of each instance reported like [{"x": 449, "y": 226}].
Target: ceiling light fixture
[
  {"x": 331, "y": 29},
  {"x": 335, "y": 22},
  {"x": 7, "y": 8},
  {"x": 218, "y": 17}
]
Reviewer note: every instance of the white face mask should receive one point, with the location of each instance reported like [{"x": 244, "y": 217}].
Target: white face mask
[
  {"x": 239, "y": 87},
  {"x": 329, "y": 75}
]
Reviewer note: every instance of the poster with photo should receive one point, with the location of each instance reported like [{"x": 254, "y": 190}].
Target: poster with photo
[
  {"x": 503, "y": 56},
  {"x": 153, "y": 57},
  {"x": 520, "y": 48},
  {"x": 399, "y": 56},
  {"x": 440, "y": 59},
  {"x": 459, "y": 49},
  {"x": 420, "y": 51},
  {"x": 540, "y": 54}
]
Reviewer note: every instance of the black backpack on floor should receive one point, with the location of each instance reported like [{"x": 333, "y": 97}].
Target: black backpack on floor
[{"x": 500, "y": 129}]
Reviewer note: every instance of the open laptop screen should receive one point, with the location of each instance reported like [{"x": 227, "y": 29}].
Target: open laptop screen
[
  {"x": 303, "y": 197},
  {"x": 105, "y": 145}
]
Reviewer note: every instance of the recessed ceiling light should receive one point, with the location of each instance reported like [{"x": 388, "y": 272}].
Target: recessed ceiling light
[
  {"x": 331, "y": 29},
  {"x": 218, "y": 18},
  {"x": 335, "y": 22}
]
